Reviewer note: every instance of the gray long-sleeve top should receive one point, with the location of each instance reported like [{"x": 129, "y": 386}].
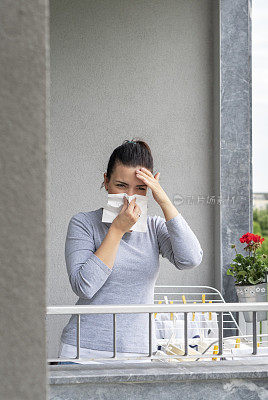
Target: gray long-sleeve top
[{"x": 130, "y": 281}]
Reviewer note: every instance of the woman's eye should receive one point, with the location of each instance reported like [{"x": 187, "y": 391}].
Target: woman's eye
[{"x": 120, "y": 185}]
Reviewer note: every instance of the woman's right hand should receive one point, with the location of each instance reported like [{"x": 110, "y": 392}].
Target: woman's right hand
[{"x": 127, "y": 217}]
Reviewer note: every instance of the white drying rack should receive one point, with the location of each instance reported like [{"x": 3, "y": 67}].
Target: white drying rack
[{"x": 167, "y": 329}]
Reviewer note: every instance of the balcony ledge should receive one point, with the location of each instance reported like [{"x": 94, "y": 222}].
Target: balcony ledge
[{"x": 157, "y": 371}]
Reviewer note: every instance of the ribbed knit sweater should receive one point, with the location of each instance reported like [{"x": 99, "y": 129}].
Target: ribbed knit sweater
[{"x": 131, "y": 280}]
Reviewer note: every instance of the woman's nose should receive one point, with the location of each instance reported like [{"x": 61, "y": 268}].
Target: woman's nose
[{"x": 131, "y": 192}]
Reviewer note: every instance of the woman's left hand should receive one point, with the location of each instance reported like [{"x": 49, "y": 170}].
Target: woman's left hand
[{"x": 152, "y": 182}]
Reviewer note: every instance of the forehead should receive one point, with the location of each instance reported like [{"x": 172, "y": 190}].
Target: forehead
[
  {"x": 127, "y": 175},
  {"x": 123, "y": 171}
]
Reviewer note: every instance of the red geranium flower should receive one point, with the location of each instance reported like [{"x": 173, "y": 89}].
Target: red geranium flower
[{"x": 250, "y": 237}]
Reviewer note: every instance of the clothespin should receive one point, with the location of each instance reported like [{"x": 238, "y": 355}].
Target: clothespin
[
  {"x": 159, "y": 302},
  {"x": 237, "y": 343},
  {"x": 203, "y": 301},
  {"x": 193, "y": 313},
  {"x": 166, "y": 299},
  {"x": 215, "y": 351},
  {"x": 210, "y": 314},
  {"x": 171, "y": 314}
]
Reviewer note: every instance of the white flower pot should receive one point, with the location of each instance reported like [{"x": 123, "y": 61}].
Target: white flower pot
[{"x": 251, "y": 294}]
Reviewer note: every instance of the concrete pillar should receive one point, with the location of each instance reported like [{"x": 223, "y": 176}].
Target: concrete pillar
[
  {"x": 23, "y": 108},
  {"x": 235, "y": 153}
]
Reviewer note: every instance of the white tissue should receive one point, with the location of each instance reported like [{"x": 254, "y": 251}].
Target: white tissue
[{"x": 114, "y": 206}]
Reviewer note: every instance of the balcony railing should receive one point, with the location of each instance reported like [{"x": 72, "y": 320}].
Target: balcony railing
[{"x": 150, "y": 309}]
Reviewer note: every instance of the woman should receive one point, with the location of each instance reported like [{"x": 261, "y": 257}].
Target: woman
[{"x": 107, "y": 263}]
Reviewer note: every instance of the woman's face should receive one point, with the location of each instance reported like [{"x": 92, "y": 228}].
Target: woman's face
[{"x": 124, "y": 180}]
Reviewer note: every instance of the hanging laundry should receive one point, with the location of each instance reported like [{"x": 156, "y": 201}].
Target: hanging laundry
[
  {"x": 208, "y": 324},
  {"x": 168, "y": 324}
]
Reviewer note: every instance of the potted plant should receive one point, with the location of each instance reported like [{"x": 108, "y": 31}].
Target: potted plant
[{"x": 250, "y": 273}]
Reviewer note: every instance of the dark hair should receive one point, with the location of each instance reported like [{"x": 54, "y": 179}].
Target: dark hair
[{"x": 130, "y": 153}]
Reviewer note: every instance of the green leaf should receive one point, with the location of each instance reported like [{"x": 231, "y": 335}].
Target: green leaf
[
  {"x": 241, "y": 275},
  {"x": 229, "y": 272}
]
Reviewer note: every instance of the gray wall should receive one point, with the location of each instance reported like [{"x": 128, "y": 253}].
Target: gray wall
[
  {"x": 124, "y": 69},
  {"x": 23, "y": 85}
]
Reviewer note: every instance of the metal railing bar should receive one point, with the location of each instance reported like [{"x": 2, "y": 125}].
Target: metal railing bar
[
  {"x": 114, "y": 336},
  {"x": 220, "y": 308},
  {"x": 146, "y": 308},
  {"x": 201, "y": 329},
  {"x": 78, "y": 336},
  {"x": 150, "y": 335},
  {"x": 179, "y": 301},
  {"x": 220, "y": 327},
  {"x": 187, "y": 286},
  {"x": 185, "y": 334},
  {"x": 156, "y": 357},
  {"x": 190, "y": 286},
  {"x": 187, "y": 293},
  {"x": 254, "y": 342}
]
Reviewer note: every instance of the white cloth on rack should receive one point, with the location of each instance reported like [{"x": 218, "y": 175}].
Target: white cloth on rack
[
  {"x": 209, "y": 327},
  {"x": 165, "y": 327},
  {"x": 246, "y": 349}
]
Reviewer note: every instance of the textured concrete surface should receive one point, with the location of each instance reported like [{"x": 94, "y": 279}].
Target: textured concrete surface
[
  {"x": 192, "y": 380},
  {"x": 232, "y": 389},
  {"x": 23, "y": 107},
  {"x": 158, "y": 371},
  {"x": 236, "y": 132},
  {"x": 235, "y": 155}
]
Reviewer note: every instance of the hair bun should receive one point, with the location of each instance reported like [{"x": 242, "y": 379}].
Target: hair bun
[{"x": 130, "y": 156}]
